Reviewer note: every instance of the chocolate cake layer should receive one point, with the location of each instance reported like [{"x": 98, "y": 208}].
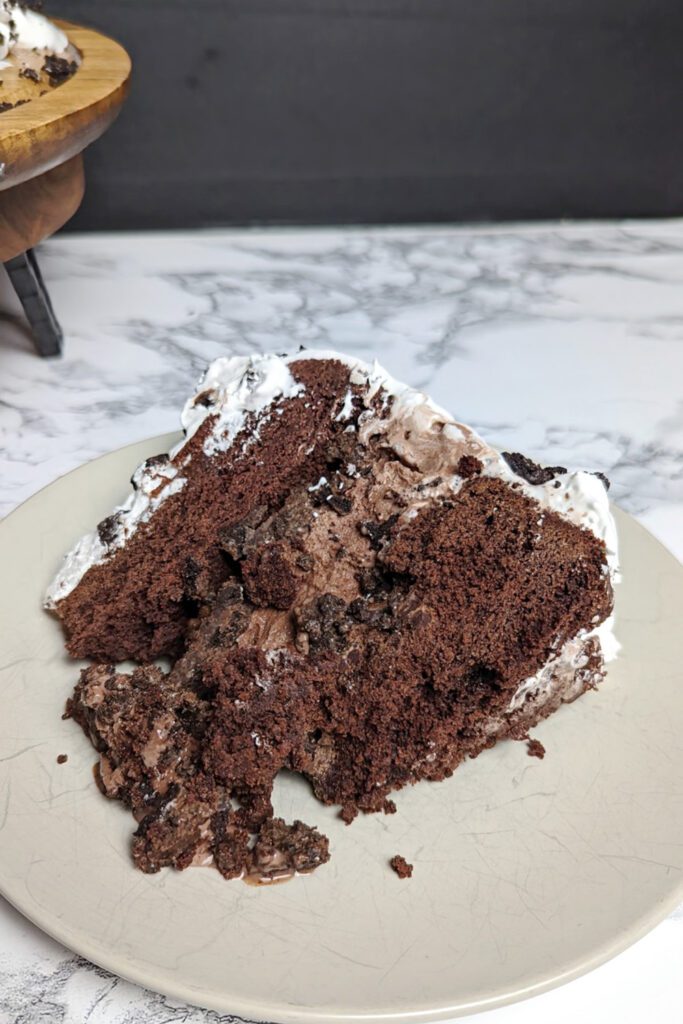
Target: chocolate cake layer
[
  {"x": 354, "y": 587},
  {"x": 137, "y": 603}
]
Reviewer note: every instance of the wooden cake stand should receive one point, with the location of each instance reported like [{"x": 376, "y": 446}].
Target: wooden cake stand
[{"x": 41, "y": 162}]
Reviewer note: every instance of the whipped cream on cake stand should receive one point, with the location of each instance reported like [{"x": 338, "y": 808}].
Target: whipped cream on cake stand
[
  {"x": 26, "y": 34},
  {"x": 62, "y": 86}
]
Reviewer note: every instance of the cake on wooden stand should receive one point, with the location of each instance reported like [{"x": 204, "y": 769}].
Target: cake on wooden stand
[{"x": 59, "y": 93}]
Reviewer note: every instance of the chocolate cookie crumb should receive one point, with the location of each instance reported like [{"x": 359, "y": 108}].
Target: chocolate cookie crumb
[
  {"x": 62, "y": 758},
  {"x": 378, "y": 532},
  {"x": 606, "y": 481},
  {"x": 531, "y": 471},
  {"x": 389, "y": 807},
  {"x": 401, "y": 866},
  {"x": 108, "y": 529},
  {"x": 59, "y": 69}
]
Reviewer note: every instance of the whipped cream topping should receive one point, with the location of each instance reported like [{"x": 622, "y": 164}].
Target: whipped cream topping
[
  {"x": 24, "y": 29},
  {"x": 239, "y": 392}
]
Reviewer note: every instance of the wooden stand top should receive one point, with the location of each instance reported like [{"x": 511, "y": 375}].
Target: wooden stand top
[{"x": 58, "y": 123}]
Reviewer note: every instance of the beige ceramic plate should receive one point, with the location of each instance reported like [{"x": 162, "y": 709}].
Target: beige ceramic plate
[{"x": 527, "y": 872}]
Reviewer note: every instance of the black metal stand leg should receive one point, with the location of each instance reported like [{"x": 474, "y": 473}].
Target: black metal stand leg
[{"x": 24, "y": 273}]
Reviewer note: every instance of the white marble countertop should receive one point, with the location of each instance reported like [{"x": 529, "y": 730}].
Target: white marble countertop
[{"x": 564, "y": 341}]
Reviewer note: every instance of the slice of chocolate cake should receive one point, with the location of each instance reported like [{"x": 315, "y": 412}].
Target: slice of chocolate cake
[{"x": 352, "y": 586}]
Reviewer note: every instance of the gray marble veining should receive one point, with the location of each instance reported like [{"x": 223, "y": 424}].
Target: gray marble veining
[{"x": 565, "y": 341}]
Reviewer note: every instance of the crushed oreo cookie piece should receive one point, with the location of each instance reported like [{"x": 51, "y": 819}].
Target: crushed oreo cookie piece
[
  {"x": 59, "y": 69},
  {"x": 339, "y": 504},
  {"x": 606, "y": 481},
  {"x": 378, "y": 532},
  {"x": 108, "y": 529},
  {"x": 30, "y": 73},
  {"x": 531, "y": 471},
  {"x": 331, "y": 494},
  {"x": 157, "y": 461},
  {"x": 322, "y": 624}
]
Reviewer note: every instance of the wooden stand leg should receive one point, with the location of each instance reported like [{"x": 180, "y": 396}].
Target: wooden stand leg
[
  {"x": 29, "y": 212},
  {"x": 24, "y": 273}
]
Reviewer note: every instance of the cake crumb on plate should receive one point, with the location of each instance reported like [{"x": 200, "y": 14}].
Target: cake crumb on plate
[
  {"x": 535, "y": 748},
  {"x": 401, "y": 866}
]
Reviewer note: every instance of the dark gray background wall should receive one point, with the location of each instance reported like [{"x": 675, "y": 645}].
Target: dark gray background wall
[{"x": 389, "y": 110}]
